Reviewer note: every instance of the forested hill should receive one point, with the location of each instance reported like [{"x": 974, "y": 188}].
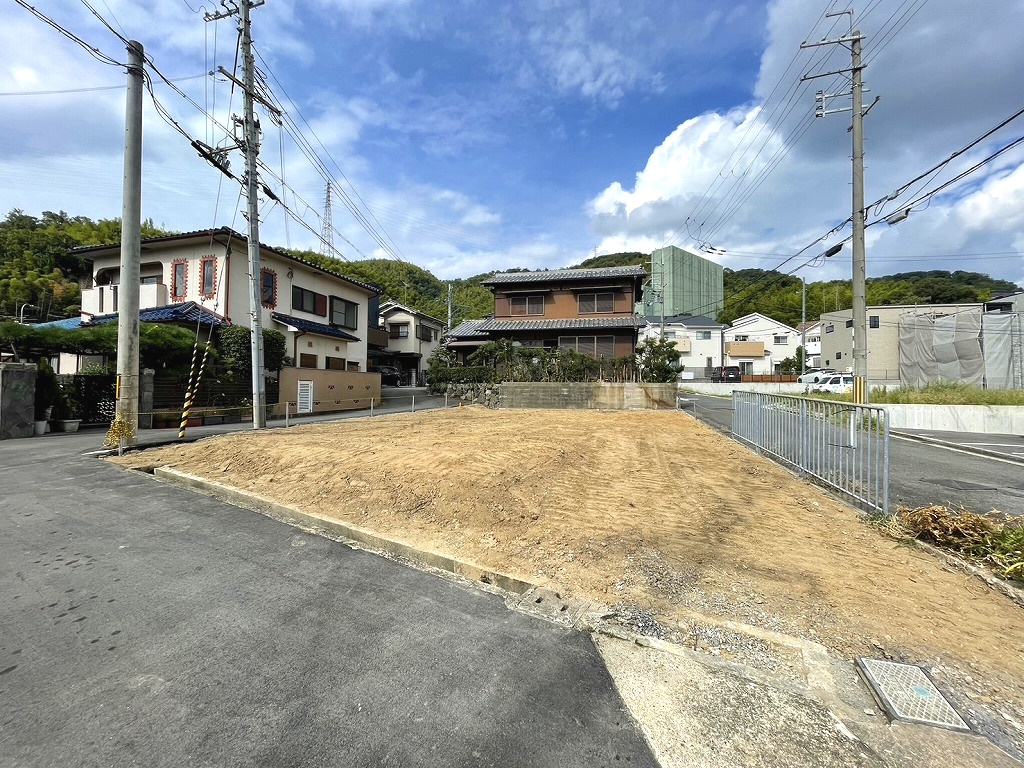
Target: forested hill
[
  {"x": 38, "y": 268},
  {"x": 778, "y": 295}
]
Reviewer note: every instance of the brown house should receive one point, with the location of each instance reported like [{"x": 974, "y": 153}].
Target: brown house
[{"x": 589, "y": 310}]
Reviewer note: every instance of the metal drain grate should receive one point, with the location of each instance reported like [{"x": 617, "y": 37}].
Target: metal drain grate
[{"x": 907, "y": 694}]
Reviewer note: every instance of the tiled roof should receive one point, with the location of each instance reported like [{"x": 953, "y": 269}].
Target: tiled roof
[
  {"x": 563, "y": 275},
  {"x": 567, "y": 324},
  {"x": 86, "y": 250},
  {"x": 309, "y": 326},
  {"x": 187, "y": 312},
  {"x": 394, "y": 306},
  {"x": 468, "y": 328}
]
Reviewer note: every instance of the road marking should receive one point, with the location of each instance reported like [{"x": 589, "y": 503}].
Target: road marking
[{"x": 997, "y": 445}]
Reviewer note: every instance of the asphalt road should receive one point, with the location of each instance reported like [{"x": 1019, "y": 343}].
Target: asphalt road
[
  {"x": 142, "y": 624},
  {"x": 925, "y": 473}
]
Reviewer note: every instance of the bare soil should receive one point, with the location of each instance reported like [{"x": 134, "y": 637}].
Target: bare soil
[{"x": 649, "y": 511}]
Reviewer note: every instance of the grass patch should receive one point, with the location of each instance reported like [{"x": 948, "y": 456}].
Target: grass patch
[
  {"x": 981, "y": 538},
  {"x": 941, "y": 393}
]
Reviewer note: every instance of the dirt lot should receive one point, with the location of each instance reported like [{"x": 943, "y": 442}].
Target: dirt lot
[{"x": 649, "y": 511}]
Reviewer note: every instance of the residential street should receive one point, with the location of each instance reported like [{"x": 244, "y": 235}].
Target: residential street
[
  {"x": 925, "y": 472},
  {"x": 142, "y": 624}
]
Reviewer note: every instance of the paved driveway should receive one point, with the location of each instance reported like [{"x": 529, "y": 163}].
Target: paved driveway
[{"x": 141, "y": 624}]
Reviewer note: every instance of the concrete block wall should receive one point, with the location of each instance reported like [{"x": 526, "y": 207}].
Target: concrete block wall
[
  {"x": 587, "y": 395},
  {"x": 988, "y": 419},
  {"x": 17, "y": 399}
]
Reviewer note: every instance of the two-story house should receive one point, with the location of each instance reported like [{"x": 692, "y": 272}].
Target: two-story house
[
  {"x": 412, "y": 337},
  {"x": 758, "y": 344},
  {"x": 698, "y": 341},
  {"x": 325, "y": 316},
  {"x": 588, "y": 310}
]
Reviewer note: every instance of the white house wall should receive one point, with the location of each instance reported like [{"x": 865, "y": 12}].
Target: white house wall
[
  {"x": 758, "y": 328},
  {"x": 695, "y": 360},
  {"x": 231, "y": 294}
]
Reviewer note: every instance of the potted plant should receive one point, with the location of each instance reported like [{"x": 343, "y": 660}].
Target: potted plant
[
  {"x": 47, "y": 396},
  {"x": 69, "y": 411}
]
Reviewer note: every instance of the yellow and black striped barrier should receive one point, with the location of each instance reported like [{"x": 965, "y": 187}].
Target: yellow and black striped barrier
[{"x": 860, "y": 390}]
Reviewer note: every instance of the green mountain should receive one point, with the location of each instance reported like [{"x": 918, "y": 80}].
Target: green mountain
[{"x": 38, "y": 268}]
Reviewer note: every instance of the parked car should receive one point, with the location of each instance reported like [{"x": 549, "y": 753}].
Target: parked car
[
  {"x": 837, "y": 384},
  {"x": 814, "y": 377},
  {"x": 726, "y": 373},
  {"x": 390, "y": 375}
]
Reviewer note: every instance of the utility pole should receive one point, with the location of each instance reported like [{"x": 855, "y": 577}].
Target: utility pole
[
  {"x": 449, "y": 306},
  {"x": 853, "y": 40},
  {"x": 250, "y": 146},
  {"x": 803, "y": 325},
  {"x": 127, "y": 407}
]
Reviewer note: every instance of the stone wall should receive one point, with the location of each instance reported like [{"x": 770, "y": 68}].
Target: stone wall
[
  {"x": 477, "y": 394},
  {"x": 17, "y": 399}
]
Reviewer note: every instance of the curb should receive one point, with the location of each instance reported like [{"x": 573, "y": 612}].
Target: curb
[
  {"x": 317, "y": 523},
  {"x": 956, "y": 447}
]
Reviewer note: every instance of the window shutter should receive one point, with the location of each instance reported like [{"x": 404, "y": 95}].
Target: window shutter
[
  {"x": 606, "y": 302},
  {"x": 320, "y": 306}
]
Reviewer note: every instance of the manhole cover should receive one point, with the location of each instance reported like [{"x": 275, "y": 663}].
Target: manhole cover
[
  {"x": 960, "y": 485},
  {"x": 907, "y": 694}
]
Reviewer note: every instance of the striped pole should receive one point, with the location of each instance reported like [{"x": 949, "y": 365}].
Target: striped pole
[
  {"x": 188, "y": 392},
  {"x": 193, "y": 388}
]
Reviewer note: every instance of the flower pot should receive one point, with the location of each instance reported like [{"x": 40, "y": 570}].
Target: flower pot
[
  {"x": 40, "y": 427},
  {"x": 212, "y": 420},
  {"x": 66, "y": 425}
]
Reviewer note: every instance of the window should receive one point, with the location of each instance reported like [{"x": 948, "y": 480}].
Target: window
[
  {"x": 308, "y": 301},
  {"x": 873, "y": 321},
  {"x": 595, "y": 346},
  {"x": 839, "y": 355},
  {"x": 334, "y": 363},
  {"x": 526, "y": 305},
  {"x": 425, "y": 333},
  {"x": 353, "y": 366},
  {"x": 829, "y": 328},
  {"x": 344, "y": 313},
  {"x": 179, "y": 278},
  {"x": 746, "y": 368},
  {"x": 594, "y": 303},
  {"x": 849, "y": 323},
  {"x": 670, "y": 334},
  {"x": 741, "y": 337},
  {"x": 308, "y": 361},
  {"x": 398, "y": 331},
  {"x": 207, "y": 276},
  {"x": 703, "y": 335},
  {"x": 268, "y": 288},
  {"x": 783, "y": 339}
]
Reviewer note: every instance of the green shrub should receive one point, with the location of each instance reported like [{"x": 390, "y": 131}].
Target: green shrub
[
  {"x": 48, "y": 392},
  {"x": 439, "y": 378}
]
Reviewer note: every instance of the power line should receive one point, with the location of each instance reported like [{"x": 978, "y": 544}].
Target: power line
[{"x": 120, "y": 87}]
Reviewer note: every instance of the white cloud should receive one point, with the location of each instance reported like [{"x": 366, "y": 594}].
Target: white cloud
[{"x": 761, "y": 180}]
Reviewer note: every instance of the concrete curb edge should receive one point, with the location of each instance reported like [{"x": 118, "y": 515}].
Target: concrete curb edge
[{"x": 292, "y": 516}]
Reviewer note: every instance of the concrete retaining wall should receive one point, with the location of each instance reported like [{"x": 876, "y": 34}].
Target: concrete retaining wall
[
  {"x": 587, "y": 395},
  {"x": 992, "y": 419}
]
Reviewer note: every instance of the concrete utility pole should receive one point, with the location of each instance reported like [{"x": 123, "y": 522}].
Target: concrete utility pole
[
  {"x": 449, "y": 306},
  {"x": 860, "y": 331},
  {"x": 250, "y": 146},
  {"x": 127, "y": 408},
  {"x": 803, "y": 325}
]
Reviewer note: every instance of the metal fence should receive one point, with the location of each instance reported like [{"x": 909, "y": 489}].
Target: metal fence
[{"x": 843, "y": 445}]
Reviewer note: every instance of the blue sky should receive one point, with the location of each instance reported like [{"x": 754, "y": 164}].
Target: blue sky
[{"x": 478, "y": 136}]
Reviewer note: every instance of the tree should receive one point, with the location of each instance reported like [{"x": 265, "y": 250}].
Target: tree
[{"x": 657, "y": 360}]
